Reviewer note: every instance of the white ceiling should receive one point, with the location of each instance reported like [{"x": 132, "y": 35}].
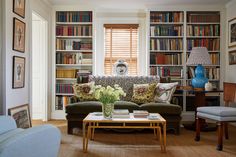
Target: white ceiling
[{"x": 136, "y": 3}]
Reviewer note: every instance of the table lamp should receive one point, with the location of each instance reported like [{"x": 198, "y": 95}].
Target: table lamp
[{"x": 199, "y": 56}]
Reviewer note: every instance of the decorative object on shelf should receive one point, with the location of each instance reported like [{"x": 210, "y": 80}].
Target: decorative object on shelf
[
  {"x": 199, "y": 56},
  {"x": 208, "y": 86},
  {"x": 19, "y": 7},
  {"x": 121, "y": 68},
  {"x": 18, "y": 35},
  {"x": 232, "y": 57},
  {"x": 21, "y": 114},
  {"x": 232, "y": 32},
  {"x": 18, "y": 80},
  {"x": 108, "y": 96}
]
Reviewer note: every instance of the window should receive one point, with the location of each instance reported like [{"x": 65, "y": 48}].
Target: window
[{"x": 121, "y": 42}]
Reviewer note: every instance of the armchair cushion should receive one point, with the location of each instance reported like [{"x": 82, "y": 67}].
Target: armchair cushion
[{"x": 218, "y": 111}]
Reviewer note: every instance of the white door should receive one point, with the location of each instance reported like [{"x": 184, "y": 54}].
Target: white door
[{"x": 39, "y": 70}]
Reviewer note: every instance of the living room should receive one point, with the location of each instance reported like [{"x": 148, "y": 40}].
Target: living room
[{"x": 117, "y": 78}]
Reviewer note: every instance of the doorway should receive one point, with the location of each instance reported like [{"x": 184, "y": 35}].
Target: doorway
[{"x": 39, "y": 67}]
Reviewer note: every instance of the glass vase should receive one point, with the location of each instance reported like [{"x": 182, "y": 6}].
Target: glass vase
[{"x": 107, "y": 110}]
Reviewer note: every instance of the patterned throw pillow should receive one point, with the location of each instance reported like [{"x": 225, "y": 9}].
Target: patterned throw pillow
[
  {"x": 82, "y": 91},
  {"x": 164, "y": 92},
  {"x": 143, "y": 93}
]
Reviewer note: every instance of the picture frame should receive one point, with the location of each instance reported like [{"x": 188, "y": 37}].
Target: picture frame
[
  {"x": 18, "y": 35},
  {"x": 232, "y": 33},
  {"x": 19, "y": 7},
  {"x": 21, "y": 114},
  {"x": 232, "y": 57},
  {"x": 18, "y": 79}
]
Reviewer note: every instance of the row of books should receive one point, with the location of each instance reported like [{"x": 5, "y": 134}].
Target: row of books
[
  {"x": 166, "y": 16},
  {"x": 163, "y": 58},
  {"x": 64, "y": 88},
  {"x": 166, "y": 44},
  {"x": 173, "y": 72},
  {"x": 74, "y": 30},
  {"x": 208, "y": 30},
  {"x": 210, "y": 44},
  {"x": 66, "y": 73},
  {"x": 166, "y": 30},
  {"x": 62, "y": 44},
  {"x": 62, "y": 101},
  {"x": 195, "y": 17},
  {"x": 74, "y": 16},
  {"x": 74, "y": 58},
  {"x": 210, "y": 73}
]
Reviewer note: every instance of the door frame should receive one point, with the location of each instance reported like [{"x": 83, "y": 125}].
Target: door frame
[{"x": 44, "y": 82}]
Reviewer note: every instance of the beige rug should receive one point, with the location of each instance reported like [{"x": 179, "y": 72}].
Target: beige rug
[{"x": 143, "y": 144}]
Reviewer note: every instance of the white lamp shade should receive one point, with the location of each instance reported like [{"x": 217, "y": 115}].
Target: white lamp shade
[{"x": 199, "y": 55}]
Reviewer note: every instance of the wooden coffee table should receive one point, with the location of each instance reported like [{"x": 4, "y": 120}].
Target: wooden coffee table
[{"x": 94, "y": 120}]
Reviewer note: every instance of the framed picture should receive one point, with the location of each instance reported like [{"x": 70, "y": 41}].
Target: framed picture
[
  {"x": 232, "y": 57},
  {"x": 232, "y": 32},
  {"x": 19, "y": 7},
  {"x": 21, "y": 114},
  {"x": 18, "y": 80},
  {"x": 18, "y": 35}
]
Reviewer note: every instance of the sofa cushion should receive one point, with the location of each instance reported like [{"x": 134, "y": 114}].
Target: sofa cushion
[
  {"x": 126, "y": 105},
  {"x": 143, "y": 93},
  {"x": 83, "y": 91},
  {"x": 164, "y": 92},
  {"x": 84, "y": 107},
  {"x": 161, "y": 108},
  {"x": 125, "y": 82}
]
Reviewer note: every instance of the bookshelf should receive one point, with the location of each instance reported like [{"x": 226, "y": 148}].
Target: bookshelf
[
  {"x": 172, "y": 34},
  {"x": 73, "y": 55}
]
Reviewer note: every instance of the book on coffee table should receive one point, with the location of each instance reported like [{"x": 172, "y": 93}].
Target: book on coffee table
[
  {"x": 140, "y": 113},
  {"x": 121, "y": 113}
]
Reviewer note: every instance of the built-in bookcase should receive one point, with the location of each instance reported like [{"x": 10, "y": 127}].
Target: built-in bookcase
[
  {"x": 172, "y": 34},
  {"x": 73, "y": 53}
]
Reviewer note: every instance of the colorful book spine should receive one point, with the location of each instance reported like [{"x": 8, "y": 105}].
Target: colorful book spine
[
  {"x": 64, "y": 88},
  {"x": 166, "y": 44},
  {"x": 161, "y": 30},
  {"x": 163, "y": 58},
  {"x": 63, "y": 101},
  {"x": 74, "y": 16},
  {"x": 62, "y": 44},
  {"x": 74, "y": 58},
  {"x": 210, "y": 44},
  {"x": 166, "y": 16},
  {"x": 173, "y": 72},
  {"x": 74, "y": 30},
  {"x": 208, "y": 30},
  {"x": 203, "y": 17}
]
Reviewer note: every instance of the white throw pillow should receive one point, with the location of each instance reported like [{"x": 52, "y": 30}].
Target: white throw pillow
[{"x": 164, "y": 92}]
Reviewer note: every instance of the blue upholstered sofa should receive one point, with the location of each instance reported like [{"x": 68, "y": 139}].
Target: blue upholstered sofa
[{"x": 40, "y": 141}]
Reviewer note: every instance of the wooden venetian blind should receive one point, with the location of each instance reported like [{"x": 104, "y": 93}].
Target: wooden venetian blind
[{"x": 121, "y": 42}]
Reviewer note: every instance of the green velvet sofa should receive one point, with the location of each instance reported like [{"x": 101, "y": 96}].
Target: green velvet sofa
[{"x": 76, "y": 112}]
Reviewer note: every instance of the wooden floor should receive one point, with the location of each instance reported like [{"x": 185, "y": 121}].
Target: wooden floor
[{"x": 143, "y": 144}]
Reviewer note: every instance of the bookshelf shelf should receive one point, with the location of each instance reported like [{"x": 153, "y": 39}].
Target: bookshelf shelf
[
  {"x": 69, "y": 65},
  {"x": 172, "y": 34},
  {"x": 74, "y": 52},
  {"x": 166, "y": 37},
  {"x": 76, "y": 37},
  {"x": 74, "y": 23},
  {"x": 166, "y": 23},
  {"x": 203, "y": 37}
]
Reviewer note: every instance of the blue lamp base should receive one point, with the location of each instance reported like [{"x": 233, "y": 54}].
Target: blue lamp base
[{"x": 199, "y": 80}]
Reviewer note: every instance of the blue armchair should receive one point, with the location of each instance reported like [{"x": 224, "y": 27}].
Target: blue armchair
[{"x": 39, "y": 141}]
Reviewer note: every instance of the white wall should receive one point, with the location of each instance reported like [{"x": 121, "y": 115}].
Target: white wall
[
  {"x": 230, "y": 73},
  {"x": 1, "y": 93},
  {"x": 120, "y": 17},
  {"x": 14, "y": 97}
]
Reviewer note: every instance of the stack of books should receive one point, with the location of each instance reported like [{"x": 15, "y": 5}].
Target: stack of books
[
  {"x": 140, "y": 113},
  {"x": 121, "y": 113}
]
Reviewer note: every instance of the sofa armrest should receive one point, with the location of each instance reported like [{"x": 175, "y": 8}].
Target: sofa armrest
[
  {"x": 7, "y": 123},
  {"x": 40, "y": 141}
]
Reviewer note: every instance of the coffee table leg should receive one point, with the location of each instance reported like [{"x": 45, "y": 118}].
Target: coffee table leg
[
  {"x": 84, "y": 135},
  {"x": 88, "y": 137},
  {"x": 160, "y": 138},
  {"x": 93, "y": 130},
  {"x": 164, "y": 134}
]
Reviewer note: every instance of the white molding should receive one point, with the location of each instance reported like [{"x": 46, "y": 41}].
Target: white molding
[{"x": 230, "y": 3}]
